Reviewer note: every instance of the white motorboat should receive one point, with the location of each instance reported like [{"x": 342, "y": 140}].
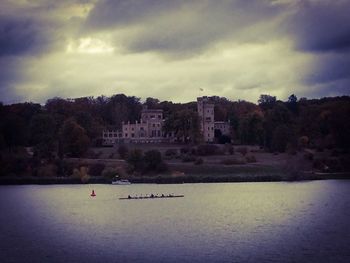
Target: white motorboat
[{"x": 121, "y": 182}]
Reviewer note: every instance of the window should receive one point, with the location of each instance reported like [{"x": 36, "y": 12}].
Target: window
[
  {"x": 159, "y": 116},
  {"x": 126, "y": 135},
  {"x": 132, "y": 128},
  {"x": 154, "y": 125},
  {"x": 132, "y": 135},
  {"x": 141, "y": 129}
]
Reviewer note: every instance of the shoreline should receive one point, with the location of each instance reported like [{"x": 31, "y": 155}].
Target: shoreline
[{"x": 180, "y": 179}]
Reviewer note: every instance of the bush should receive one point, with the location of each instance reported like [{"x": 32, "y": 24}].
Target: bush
[
  {"x": 320, "y": 164},
  {"x": 123, "y": 151},
  {"x": 291, "y": 149},
  {"x": 170, "y": 152},
  {"x": 303, "y": 142},
  {"x": 152, "y": 159},
  {"x": 96, "y": 169},
  {"x": 188, "y": 158},
  {"x": 110, "y": 172},
  {"x": 185, "y": 150},
  {"x": 48, "y": 170},
  {"x": 242, "y": 150},
  {"x": 14, "y": 165},
  {"x": 308, "y": 156},
  {"x": 64, "y": 168},
  {"x": 91, "y": 154},
  {"x": 135, "y": 160},
  {"x": 85, "y": 179},
  {"x": 207, "y": 149},
  {"x": 198, "y": 161},
  {"x": 228, "y": 149},
  {"x": 250, "y": 159},
  {"x": 82, "y": 173},
  {"x": 162, "y": 167},
  {"x": 224, "y": 139},
  {"x": 281, "y": 136},
  {"x": 232, "y": 161}
]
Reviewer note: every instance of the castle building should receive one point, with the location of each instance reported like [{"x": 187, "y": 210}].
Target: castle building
[
  {"x": 148, "y": 130},
  {"x": 150, "y": 127},
  {"x": 223, "y": 126},
  {"x": 206, "y": 118}
]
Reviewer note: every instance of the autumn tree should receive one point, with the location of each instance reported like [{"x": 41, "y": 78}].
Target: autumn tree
[{"x": 73, "y": 138}]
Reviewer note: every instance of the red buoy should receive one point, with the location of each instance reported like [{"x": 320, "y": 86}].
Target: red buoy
[{"x": 93, "y": 193}]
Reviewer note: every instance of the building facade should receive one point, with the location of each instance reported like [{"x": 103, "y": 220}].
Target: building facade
[
  {"x": 223, "y": 126},
  {"x": 205, "y": 111},
  {"x": 150, "y": 128}
]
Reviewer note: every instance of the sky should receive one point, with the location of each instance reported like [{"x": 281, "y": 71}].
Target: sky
[{"x": 173, "y": 49}]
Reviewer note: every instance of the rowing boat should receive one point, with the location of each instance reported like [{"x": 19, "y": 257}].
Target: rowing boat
[{"x": 150, "y": 197}]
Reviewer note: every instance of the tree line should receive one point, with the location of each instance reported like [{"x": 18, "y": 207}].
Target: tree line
[{"x": 68, "y": 127}]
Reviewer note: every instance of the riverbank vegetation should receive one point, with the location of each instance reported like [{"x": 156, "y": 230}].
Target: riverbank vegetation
[{"x": 59, "y": 139}]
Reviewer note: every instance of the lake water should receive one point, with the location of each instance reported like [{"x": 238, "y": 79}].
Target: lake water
[{"x": 239, "y": 222}]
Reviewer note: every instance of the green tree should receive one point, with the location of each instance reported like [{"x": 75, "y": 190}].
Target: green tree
[
  {"x": 13, "y": 129},
  {"x": 135, "y": 160},
  {"x": 153, "y": 159},
  {"x": 266, "y": 102},
  {"x": 292, "y": 104},
  {"x": 151, "y": 103},
  {"x": 73, "y": 138},
  {"x": 43, "y": 134},
  {"x": 281, "y": 137},
  {"x": 250, "y": 129},
  {"x": 185, "y": 124},
  {"x": 123, "y": 108}
]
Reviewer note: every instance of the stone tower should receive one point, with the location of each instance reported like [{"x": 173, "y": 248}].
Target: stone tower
[{"x": 206, "y": 118}]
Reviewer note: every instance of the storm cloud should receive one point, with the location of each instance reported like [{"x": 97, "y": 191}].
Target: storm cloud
[
  {"x": 321, "y": 26},
  {"x": 24, "y": 36},
  {"x": 234, "y": 48},
  {"x": 183, "y": 27}
]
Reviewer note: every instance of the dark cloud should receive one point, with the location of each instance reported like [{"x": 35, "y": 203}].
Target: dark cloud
[
  {"x": 10, "y": 74},
  {"x": 230, "y": 46},
  {"x": 329, "y": 68},
  {"x": 111, "y": 13},
  {"x": 25, "y": 36},
  {"x": 178, "y": 26},
  {"x": 321, "y": 26}
]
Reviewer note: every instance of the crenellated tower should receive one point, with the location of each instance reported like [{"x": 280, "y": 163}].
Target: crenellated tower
[{"x": 206, "y": 117}]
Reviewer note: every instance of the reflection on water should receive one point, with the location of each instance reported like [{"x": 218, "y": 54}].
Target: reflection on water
[{"x": 241, "y": 222}]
